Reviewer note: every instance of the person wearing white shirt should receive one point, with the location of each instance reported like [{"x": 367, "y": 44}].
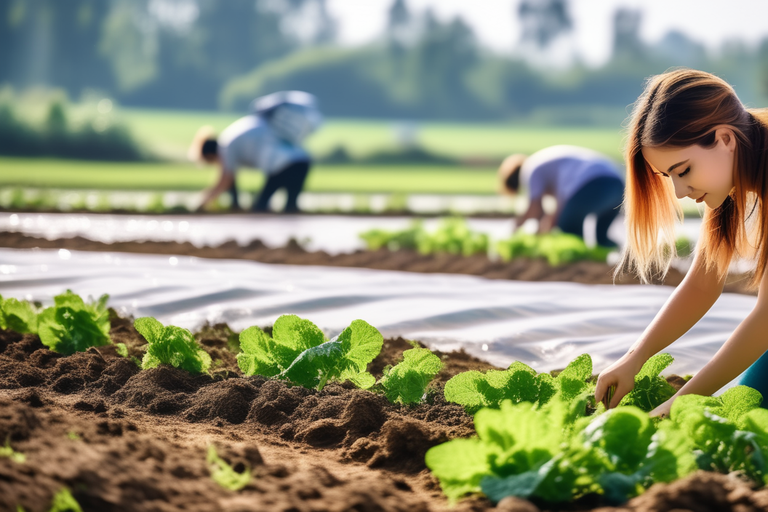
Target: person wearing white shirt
[{"x": 268, "y": 139}]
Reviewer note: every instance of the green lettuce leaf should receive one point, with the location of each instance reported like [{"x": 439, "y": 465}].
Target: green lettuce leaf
[
  {"x": 407, "y": 381},
  {"x": 17, "y": 315},
  {"x": 519, "y": 383},
  {"x": 269, "y": 356},
  {"x": 171, "y": 345},
  {"x": 345, "y": 357},
  {"x": 71, "y": 325},
  {"x": 651, "y": 390},
  {"x": 223, "y": 474}
]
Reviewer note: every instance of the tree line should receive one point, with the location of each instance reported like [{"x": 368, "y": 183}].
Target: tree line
[{"x": 213, "y": 54}]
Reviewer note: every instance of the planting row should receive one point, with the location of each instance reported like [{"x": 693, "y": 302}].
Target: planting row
[
  {"x": 539, "y": 435},
  {"x": 453, "y": 236}
]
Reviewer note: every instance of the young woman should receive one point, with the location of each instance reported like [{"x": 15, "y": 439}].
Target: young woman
[
  {"x": 582, "y": 181},
  {"x": 690, "y": 136}
]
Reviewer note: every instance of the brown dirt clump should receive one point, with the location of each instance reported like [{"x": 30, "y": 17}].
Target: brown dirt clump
[
  {"x": 121, "y": 439},
  {"x": 588, "y": 272}
]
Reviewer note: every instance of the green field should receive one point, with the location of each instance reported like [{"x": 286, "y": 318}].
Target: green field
[
  {"x": 169, "y": 133},
  {"x": 73, "y": 174}
]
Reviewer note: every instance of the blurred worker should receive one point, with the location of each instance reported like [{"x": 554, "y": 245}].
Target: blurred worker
[
  {"x": 582, "y": 181},
  {"x": 269, "y": 138}
]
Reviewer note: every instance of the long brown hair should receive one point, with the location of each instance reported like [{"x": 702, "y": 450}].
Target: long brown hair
[{"x": 681, "y": 108}]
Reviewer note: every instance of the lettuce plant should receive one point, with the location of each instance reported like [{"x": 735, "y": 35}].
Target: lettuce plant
[
  {"x": 554, "y": 453},
  {"x": 269, "y": 356},
  {"x": 8, "y": 452},
  {"x": 452, "y": 236},
  {"x": 407, "y": 382},
  {"x": 726, "y": 433},
  {"x": 223, "y": 474},
  {"x": 518, "y": 383},
  {"x": 63, "y": 501},
  {"x": 171, "y": 345},
  {"x": 297, "y": 351},
  {"x": 556, "y": 248},
  {"x": 345, "y": 357},
  {"x": 71, "y": 325},
  {"x": 18, "y": 316},
  {"x": 651, "y": 390}
]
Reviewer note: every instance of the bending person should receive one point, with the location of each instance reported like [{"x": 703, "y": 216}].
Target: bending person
[
  {"x": 268, "y": 139},
  {"x": 582, "y": 181},
  {"x": 690, "y": 136}
]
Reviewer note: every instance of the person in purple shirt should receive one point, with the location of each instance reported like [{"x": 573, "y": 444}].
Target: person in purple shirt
[{"x": 582, "y": 181}]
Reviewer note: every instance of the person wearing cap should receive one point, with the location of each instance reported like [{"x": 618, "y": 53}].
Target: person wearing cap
[
  {"x": 270, "y": 139},
  {"x": 582, "y": 181}
]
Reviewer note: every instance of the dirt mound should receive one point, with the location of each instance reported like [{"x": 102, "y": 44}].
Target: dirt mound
[
  {"x": 702, "y": 492},
  {"x": 124, "y": 439}
]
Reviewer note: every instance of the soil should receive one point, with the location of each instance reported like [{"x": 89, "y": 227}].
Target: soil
[
  {"x": 588, "y": 272},
  {"x": 121, "y": 439}
]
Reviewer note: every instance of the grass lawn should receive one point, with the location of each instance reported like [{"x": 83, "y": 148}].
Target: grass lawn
[
  {"x": 52, "y": 173},
  {"x": 169, "y": 132}
]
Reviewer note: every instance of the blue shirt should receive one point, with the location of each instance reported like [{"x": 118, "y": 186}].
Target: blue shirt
[{"x": 561, "y": 171}]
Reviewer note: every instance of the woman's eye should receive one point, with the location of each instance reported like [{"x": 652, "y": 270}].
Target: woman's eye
[{"x": 686, "y": 171}]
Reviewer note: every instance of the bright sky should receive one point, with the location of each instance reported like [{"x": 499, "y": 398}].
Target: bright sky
[{"x": 710, "y": 22}]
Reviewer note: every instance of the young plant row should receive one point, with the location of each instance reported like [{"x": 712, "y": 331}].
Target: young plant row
[
  {"x": 70, "y": 325},
  {"x": 538, "y": 435},
  {"x": 453, "y": 236},
  {"x": 542, "y": 437}
]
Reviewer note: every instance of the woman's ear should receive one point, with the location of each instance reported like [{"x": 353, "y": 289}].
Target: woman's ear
[{"x": 725, "y": 135}]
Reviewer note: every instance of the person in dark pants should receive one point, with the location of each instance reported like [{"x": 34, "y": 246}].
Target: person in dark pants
[
  {"x": 268, "y": 139},
  {"x": 582, "y": 181}
]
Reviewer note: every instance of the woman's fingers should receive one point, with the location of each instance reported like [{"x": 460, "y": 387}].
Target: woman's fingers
[{"x": 621, "y": 390}]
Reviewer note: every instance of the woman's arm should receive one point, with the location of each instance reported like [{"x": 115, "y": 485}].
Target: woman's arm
[
  {"x": 225, "y": 181},
  {"x": 687, "y": 304},
  {"x": 747, "y": 343}
]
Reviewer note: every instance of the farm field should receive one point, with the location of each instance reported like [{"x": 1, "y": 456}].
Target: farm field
[
  {"x": 171, "y": 131},
  {"x": 119, "y": 426},
  {"x": 55, "y": 173}
]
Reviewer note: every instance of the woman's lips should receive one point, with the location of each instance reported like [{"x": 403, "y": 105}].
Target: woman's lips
[{"x": 701, "y": 198}]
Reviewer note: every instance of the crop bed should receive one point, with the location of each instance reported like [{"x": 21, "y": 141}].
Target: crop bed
[
  {"x": 123, "y": 439},
  {"x": 587, "y": 272}
]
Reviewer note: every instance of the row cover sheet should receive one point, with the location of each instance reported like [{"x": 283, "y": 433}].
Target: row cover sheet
[{"x": 543, "y": 324}]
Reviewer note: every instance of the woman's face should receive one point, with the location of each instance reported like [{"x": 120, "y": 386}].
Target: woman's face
[{"x": 703, "y": 174}]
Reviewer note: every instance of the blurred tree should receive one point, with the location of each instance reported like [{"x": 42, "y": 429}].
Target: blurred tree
[
  {"x": 54, "y": 43},
  {"x": 627, "y": 44},
  {"x": 543, "y": 21},
  {"x": 401, "y": 29}
]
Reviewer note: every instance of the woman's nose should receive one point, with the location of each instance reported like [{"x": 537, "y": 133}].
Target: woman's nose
[{"x": 681, "y": 190}]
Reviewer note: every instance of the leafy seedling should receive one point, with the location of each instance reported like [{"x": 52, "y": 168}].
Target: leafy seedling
[
  {"x": 63, "y": 501},
  {"x": 8, "y": 452},
  {"x": 407, "y": 381},
  {"x": 651, "y": 390},
  {"x": 17, "y": 315},
  {"x": 171, "y": 345},
  {"x": 269, "y": 356},
  {"x": 345, "y": 357},
  {"x": 223, "y": 474},
  {"x": 519, "y": 383},
  {"x": 728, "y": 433},
  {"x": 71, "y": 325}
]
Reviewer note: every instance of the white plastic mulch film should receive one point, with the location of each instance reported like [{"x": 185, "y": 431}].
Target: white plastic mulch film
[{"x": 542, "y": 324}]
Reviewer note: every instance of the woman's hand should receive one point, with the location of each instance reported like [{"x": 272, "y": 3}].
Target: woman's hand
[
  {"x": 617, "y": 380},
  {"x": 662, "y": 411}
]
